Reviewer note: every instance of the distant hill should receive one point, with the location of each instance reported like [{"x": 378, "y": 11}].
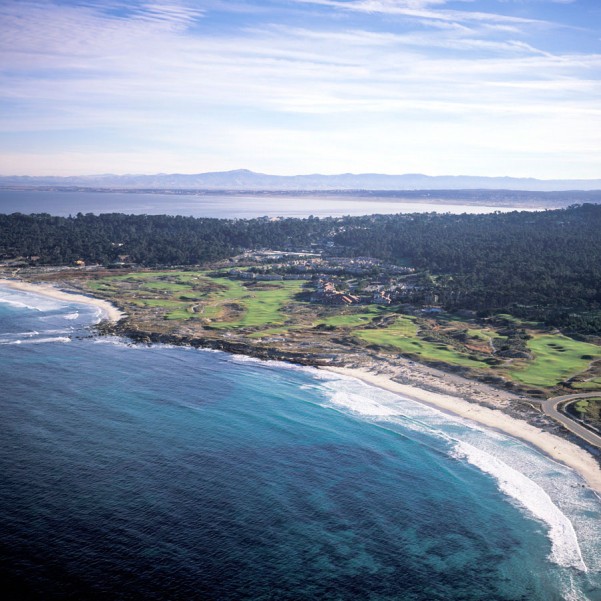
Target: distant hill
[{"x": 245, "y": 180}]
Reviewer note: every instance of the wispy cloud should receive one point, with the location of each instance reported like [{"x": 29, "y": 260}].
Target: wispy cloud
[
  {"x": 188, "y": 82},
  {"x": 426, "y": 9}
]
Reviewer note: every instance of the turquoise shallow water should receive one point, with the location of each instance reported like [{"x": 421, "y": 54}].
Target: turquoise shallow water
[{"x": 134, "y": 472}]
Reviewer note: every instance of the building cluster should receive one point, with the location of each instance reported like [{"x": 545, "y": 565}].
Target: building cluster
[
  {"x": 327, "y": 294},
  {"x": 240, "y": 274},
  {"x": 281, "y": 262},
  {"x": 337, "y": 280}
]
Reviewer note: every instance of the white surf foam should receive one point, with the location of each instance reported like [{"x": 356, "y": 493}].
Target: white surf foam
[
  {"x": 244, "y": 359},
  {"x": 268, "y": 363},
  {"x": 370, "y": 401},
  {"x": 19, "y": 304},
  {"x": 489, "y": 451},
  {"x": 23, "y": 334},
  {"x": 29, "y": 300},
  {"x": 117, "y": 341},
  {"x": 99, "y": 315},
  {"x": 360, "y": 404},
  {"x": 565, "y": 548},
  {"x": 72, "y": 316},
  {"x": 36, "y": 340}
]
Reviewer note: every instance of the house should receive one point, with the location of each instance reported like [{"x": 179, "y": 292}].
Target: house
[{"x": 381, "y": 297}]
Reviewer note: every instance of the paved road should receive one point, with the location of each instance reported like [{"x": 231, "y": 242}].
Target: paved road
[{"x": 549, "y": 407}]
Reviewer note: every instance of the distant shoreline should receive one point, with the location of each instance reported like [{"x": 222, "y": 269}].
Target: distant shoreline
[
  {"x": 516, "y": 199},
  {"x": 110, "y": 311}
]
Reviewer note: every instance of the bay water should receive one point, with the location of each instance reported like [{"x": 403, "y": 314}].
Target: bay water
[
  {"x": 242, "y": 206},
  {"x": 157, "y": 472}
]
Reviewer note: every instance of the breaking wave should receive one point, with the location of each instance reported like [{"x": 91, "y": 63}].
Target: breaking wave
[
  {"x": 20, "y": 304},
  {"x": 565, "y": 548},
  {"x": 452, "y": 433},
  {"x": 35, "y": 340}
]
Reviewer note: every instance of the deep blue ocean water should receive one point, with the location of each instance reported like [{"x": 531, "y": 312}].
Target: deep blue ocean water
[
  {"x": 244, "y": 206},
  {"x": 135, "y": 472}
]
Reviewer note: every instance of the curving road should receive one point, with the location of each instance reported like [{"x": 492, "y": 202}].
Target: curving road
[{"x": 549, "y": 407}]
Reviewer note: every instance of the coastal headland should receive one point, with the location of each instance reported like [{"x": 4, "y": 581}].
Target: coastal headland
[{"x": 510, "y": 411}]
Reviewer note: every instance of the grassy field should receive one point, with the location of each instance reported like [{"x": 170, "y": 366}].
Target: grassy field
[
  {"x": 262, "y": 304},
  {"x": 403, "y": 336},
  {"x": 267, "y": 309},
  {"x": 517, "y": 321},
  {"x": 485, "y": 334},
  {"x": 188, "y": 295},
  {"x": 556, "y": 358},
  {"x": 589, "y": 410},
  {"x": 352, "y": 320},
  {"x": 593, "y": 384}
]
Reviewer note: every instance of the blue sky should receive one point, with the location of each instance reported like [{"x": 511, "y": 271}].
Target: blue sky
[{"x": 474, "y": 87}]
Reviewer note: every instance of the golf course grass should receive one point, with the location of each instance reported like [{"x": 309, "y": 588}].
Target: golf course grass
[
  {"x": 403, "y": 336},
  {"x": 273, "y": 308},
  {"x": 556, "y": 358}
]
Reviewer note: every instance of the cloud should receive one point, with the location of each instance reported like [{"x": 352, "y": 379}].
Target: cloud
[
  {"x": 135, "y": 61},
  {"x": 162, "y": 78},
  {"x": 172, "y": 14},
  {"x": 425, "y": 9}
]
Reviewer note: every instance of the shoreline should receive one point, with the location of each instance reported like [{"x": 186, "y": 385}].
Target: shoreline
[
  {"x": 552, "y": 445},
  {"x": 110, "y": 311},
  {"x": 559, "y": 449}
]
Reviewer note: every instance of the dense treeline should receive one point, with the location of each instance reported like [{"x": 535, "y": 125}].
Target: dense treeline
[
  {"x": 539, "y": 265},
  {"x": 145, "y": 240},
  {"x": 543, "y": 266}
]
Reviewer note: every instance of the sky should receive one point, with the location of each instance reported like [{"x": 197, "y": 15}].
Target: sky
[{"x": 440, "y": 87}]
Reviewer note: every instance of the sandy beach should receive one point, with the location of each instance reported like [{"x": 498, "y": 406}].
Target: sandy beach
[
  {"x": 415, "y": 375},
  {"x": 109, "y": 311},
  {"x": 558, "y": 448}
]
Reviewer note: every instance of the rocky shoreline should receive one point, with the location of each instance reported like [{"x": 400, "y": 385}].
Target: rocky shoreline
[
  {"x": 217, "y": 344},
  {"x": 398, "y": 370},
  {"x": 516, "y": 414}
]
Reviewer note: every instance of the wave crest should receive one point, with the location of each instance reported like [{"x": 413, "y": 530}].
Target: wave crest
[
  {"x": 35, "y": 340},
  {"x": 565, "y": 548}
]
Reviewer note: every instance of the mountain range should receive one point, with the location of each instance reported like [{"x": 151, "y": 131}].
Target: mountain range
[{"x": 245, "y": 180}]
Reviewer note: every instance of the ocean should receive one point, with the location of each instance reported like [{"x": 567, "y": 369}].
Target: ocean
[
  {"x": 243, "y": 206},
  {"x": 156, "y": 472}
]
